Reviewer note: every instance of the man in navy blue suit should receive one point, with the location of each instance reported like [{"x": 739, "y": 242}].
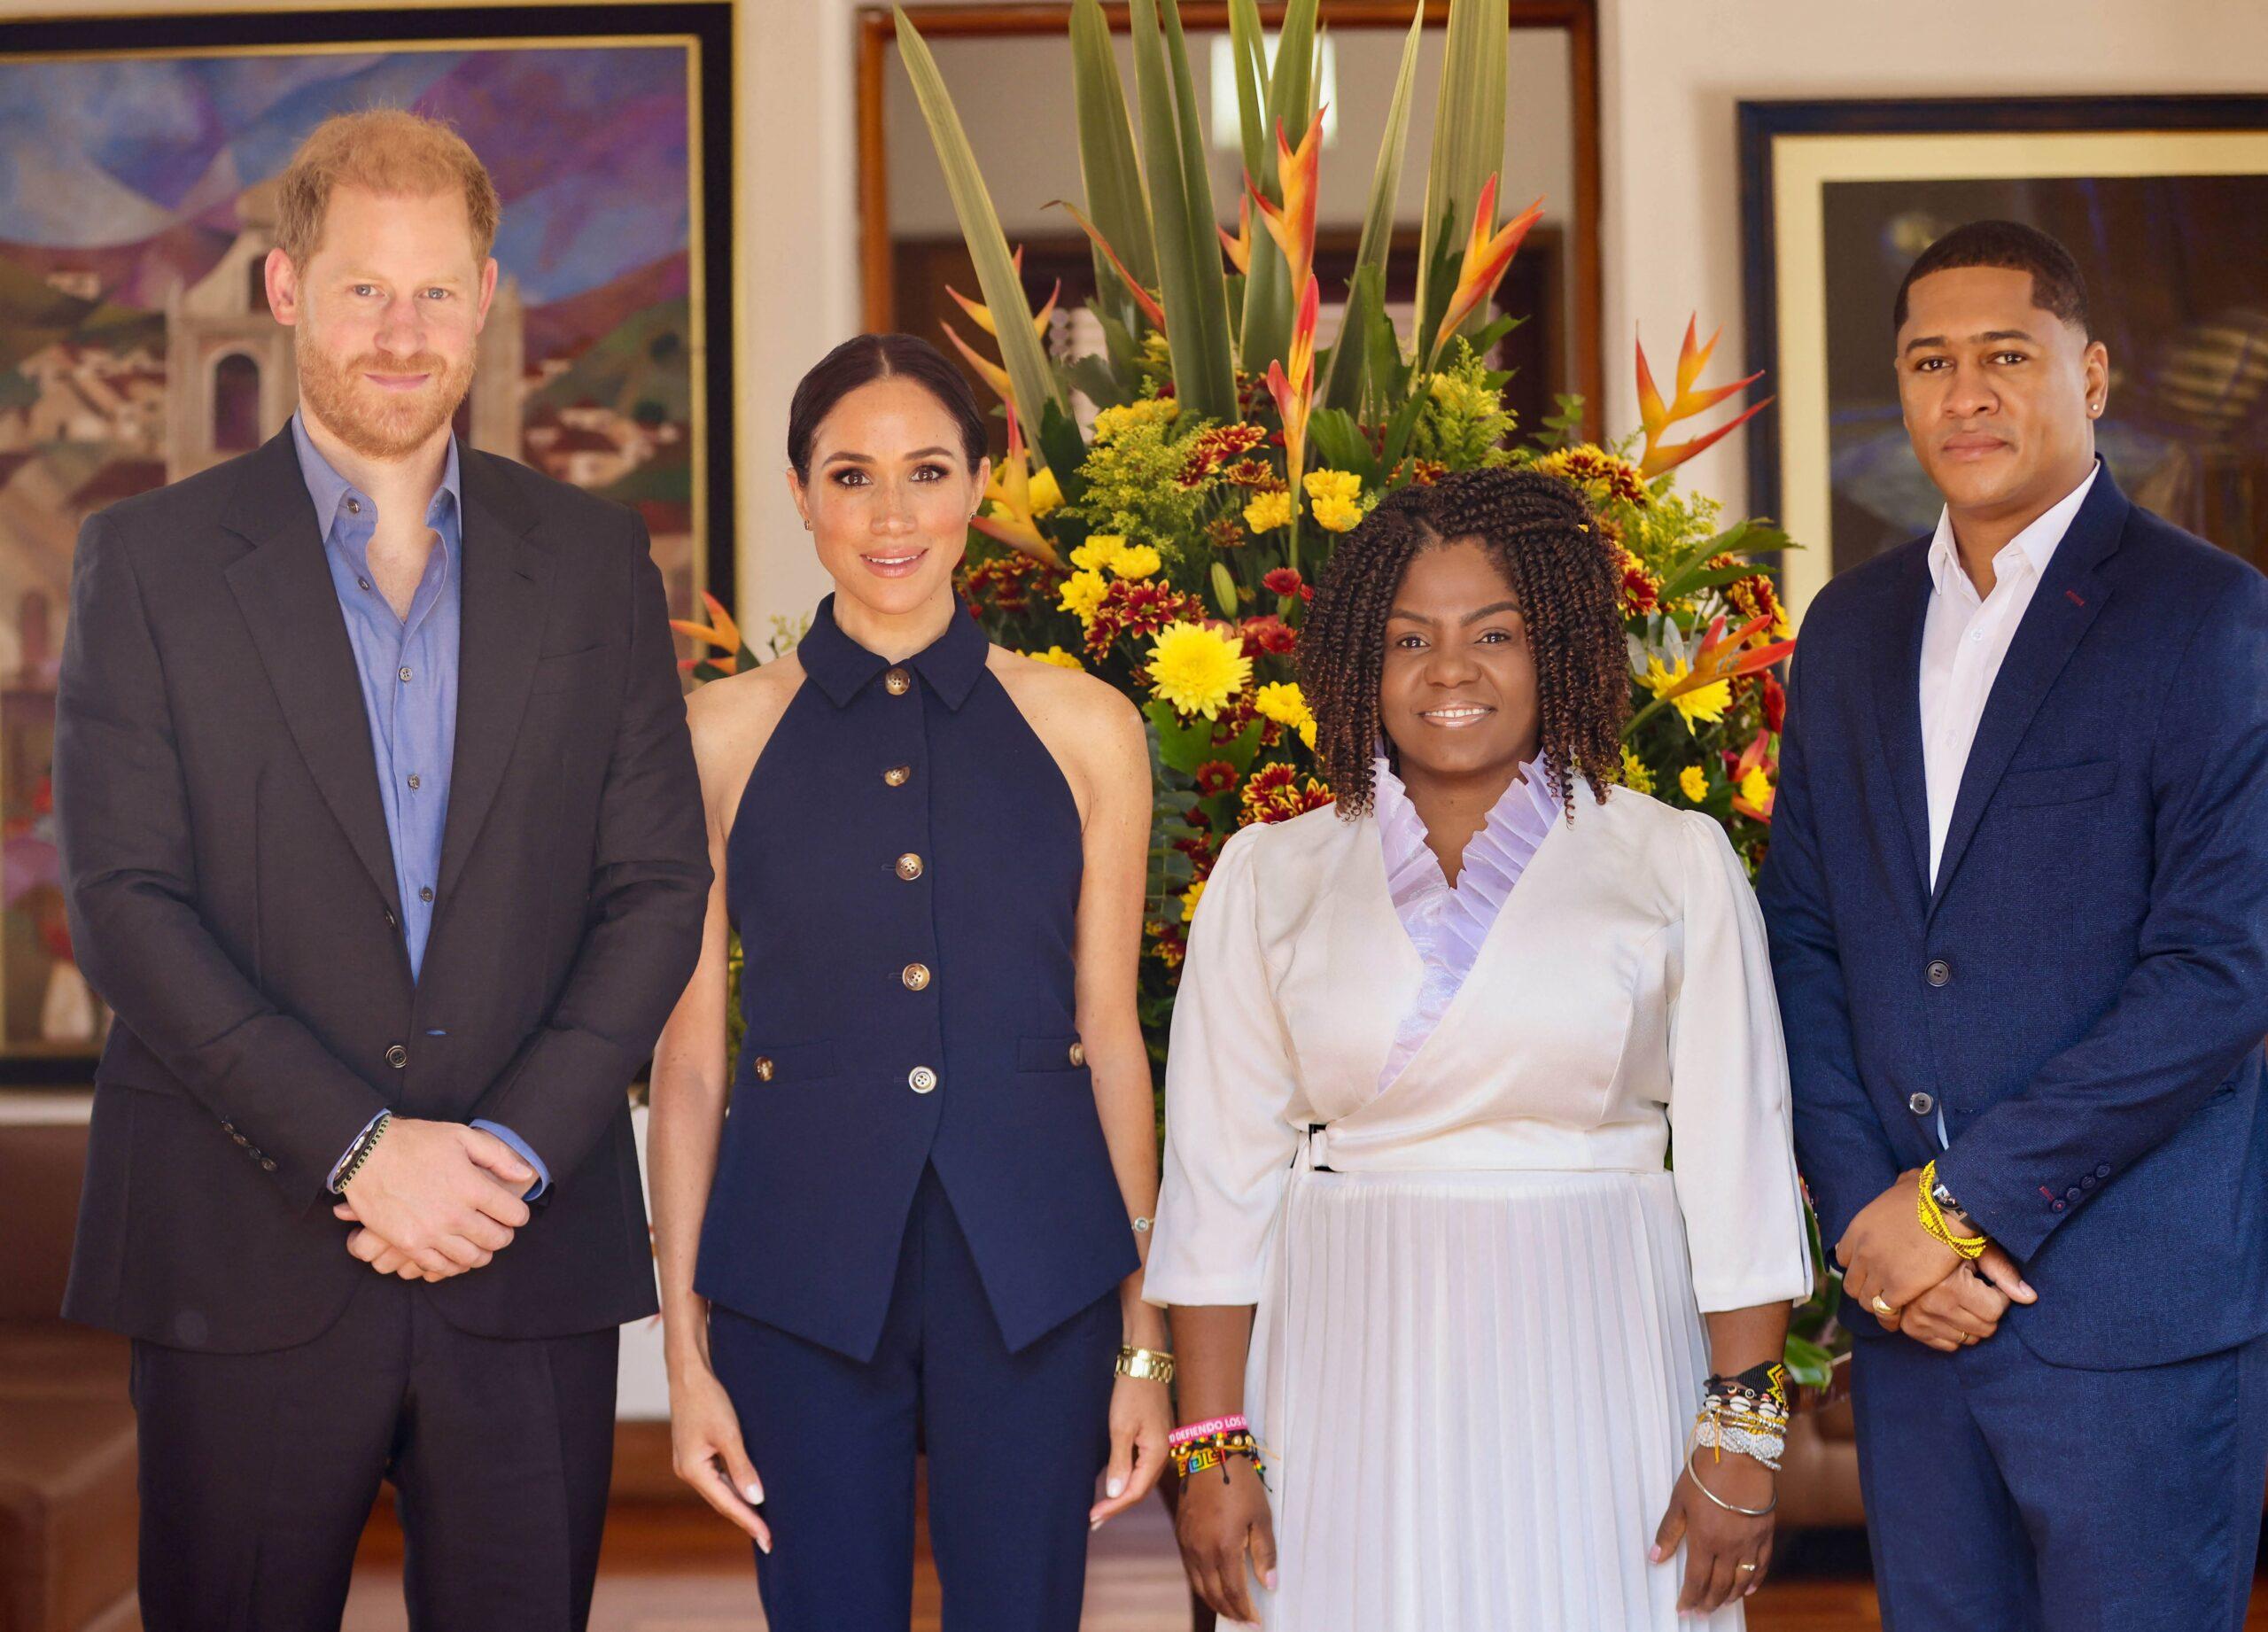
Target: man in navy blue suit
[{"x": 2018, "y": 900}]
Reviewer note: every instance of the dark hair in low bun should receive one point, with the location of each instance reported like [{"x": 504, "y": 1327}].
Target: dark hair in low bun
[{"x": 864, "y": 359}]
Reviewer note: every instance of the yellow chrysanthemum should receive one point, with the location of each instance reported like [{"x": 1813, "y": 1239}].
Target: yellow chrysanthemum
[
  {"x": 1267, "y": 511},
  {"x": 1100, "y": 550},
  {"x": 1137, "y": 560},
  {"x": 1190, "y": 897},
  {"x": 1056, "y": 656},
  {"x": 1196, "y": 668},
  {"x": 1306, "y": 732},
  {"x": 1157, "y": 410},
  {"x": 1043, "y": 495},
  {"x": 1344, "y": 485},
  {"x": 1082, "y": 593},
  {"x": 1756, "y": 787},
  {"x": 1336, "y": 515},
  {"x": 1696, "y": 785},
  {"x": 1282, "y": 704},
  {"x": 1706, "y": 704},
  {"x": 1636, "y": 776}
]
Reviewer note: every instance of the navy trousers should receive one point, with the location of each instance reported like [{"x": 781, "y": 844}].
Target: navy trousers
[
  {"x": 2006, "y": 1492},
  {"x": 1015, "y": 1442},
  {"x": 258, "y": 1469}
]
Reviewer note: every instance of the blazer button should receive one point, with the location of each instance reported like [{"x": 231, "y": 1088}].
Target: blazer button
[
  {"x": 391, "y": 922},
  {"x": 241, "y": 1141},
  {"x": 1920, "y": 1104},
  {"x": 909, "y": 866},
  {"x": 921, "y": 1079},
  {"x": 916, "y": 976},
  {"x": 1939, "y": 972},
  {"x": 1078, "y": 1053},
  {"x": 397, "y": 1056},
  {"x": 898, "y": 776},
  {"x": 899, "y": 681},
  {"x": 764, "y": 1068},
  {"x": 2072, "y": 1194},
  {"x": 268, "y": 1162},
  {"x": 2103, "y": 1171}
]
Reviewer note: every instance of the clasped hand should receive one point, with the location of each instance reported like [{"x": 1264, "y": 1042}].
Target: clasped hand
[
  {"x": 434, "y": 1198},
  {"x": 1935, "y": 1296}
]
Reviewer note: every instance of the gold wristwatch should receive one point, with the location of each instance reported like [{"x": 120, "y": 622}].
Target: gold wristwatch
[{"x": 1148, "y": 1364}]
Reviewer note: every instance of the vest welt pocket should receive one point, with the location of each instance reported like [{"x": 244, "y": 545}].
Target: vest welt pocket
[
  {"x": 2059, "y": 784},
  {"x": 792, "y": 1065},
  {"x": 1059, "y": 1051}
]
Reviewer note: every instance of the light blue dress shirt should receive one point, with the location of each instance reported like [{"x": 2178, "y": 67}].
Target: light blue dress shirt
[{"x": 408, "y": 667}]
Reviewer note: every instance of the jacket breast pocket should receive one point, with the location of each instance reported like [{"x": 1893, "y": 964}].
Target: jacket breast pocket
[
  {"x": 2059, "y": 784},
  {"x": 570, "y": 670}
]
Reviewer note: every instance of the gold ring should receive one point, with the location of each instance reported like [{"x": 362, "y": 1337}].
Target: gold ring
[
  {"x": 1880, "y": 1307},
  {"x": 1745, "y": 1566}
]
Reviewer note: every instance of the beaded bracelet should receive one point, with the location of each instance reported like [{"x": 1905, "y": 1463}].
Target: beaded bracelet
[
  {"x": 1933, "y": 1219},
  {"x": 1211, "y": 1450}
]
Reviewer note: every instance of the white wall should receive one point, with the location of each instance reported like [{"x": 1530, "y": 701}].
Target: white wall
[{"x": 1672, "y": 71}]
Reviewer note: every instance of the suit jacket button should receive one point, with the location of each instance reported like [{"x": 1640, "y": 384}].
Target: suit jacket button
[
  {"x": 898, "y": 776},
  {"x": 909, "y": 866},
  {"x": 916, "y": 976},
  {"x": 2072, "y": 1194},
  {"x": 397, "y": 1056},
  {"x": 899, "y": 681},
  {"x": 2059, "y": 1207},
  {"x": 921, "y": 1079},
  {"x": 1078, "y": 1053},
  {"x": 764, "y": 1068},
  {"x": 1939, "y": 973},
  {"x": 1920, "y": 1104},
  {"x": 2103, "y": 1171},
  {"x": 268, "y": 1162},
  {"x": 240, "y": 1138}
]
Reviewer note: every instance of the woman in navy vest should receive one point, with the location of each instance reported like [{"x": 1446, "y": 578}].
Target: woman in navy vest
[{"x": 919, "y": 1229}]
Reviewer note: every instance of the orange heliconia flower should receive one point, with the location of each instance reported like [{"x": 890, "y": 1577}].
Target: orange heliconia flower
[
  {"x": 1487, "y": 255},
  {"x": 1657, "y": 416}
]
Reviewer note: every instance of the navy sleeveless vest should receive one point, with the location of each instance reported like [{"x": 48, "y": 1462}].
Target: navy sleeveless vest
[{"x": 903, "y": 871}]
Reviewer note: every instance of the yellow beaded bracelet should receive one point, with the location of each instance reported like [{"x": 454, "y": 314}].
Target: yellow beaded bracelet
[{"x": 1933, "y": 1219}]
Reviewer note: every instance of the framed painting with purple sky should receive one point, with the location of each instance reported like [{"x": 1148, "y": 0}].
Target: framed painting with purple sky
[{"x": 137, "y": 161}]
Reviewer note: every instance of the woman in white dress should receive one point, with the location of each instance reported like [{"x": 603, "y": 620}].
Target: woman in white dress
[{"x": 1431, "y": 1050}]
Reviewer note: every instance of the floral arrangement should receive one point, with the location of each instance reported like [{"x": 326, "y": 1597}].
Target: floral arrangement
[{"x": 1170, "y": 546}]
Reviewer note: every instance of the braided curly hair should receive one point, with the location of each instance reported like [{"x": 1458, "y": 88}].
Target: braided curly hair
[{"x": 1541, "y": 531}]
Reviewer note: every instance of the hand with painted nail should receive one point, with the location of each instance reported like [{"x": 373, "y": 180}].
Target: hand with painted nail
[
  {"x": 1223, "y": 1524},
  {"x": 706, "y": 1450},
  {"x": 1727, "y": 1553},
  {"x": 1141, "y": 1416}
]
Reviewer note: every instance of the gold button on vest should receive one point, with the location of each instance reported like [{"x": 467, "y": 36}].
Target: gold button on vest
[
  {"x": 909, "y": 866},
  {"x": 1078, "y": 1053},
  {"x": 897, "y": 775},
  {"x": 916, "y": 976},
  {"x": 900, "y": 682},
  {"x": 764, "y": 1068}
]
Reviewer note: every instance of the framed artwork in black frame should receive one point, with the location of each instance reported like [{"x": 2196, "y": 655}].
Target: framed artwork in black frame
[
  {"x": 136, "y": 162},
  {"x": 2163, "y": 201}
]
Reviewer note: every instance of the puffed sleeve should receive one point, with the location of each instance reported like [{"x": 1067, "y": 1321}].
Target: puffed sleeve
[
  {"x": 1229, "y": 1082},
  {"x": 1731, "y": 1140}
]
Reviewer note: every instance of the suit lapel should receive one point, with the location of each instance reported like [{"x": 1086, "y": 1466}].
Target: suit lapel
[
  {"x": 506, "y": 578},
  {"x": 2063, "y": 606},
  {"x": 1898, "y": 699},
  {"x": 291, "y": 604}
]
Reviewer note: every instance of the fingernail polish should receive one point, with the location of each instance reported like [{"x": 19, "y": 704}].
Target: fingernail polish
[
  {"x": 755, "y": 1492},
  {"x": 1113, "y": 1486},
  {"x": 1655, "y": 1554}
]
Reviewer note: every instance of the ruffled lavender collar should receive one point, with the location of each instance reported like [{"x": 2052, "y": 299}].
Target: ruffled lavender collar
[{"x": 1447, "y": 922}]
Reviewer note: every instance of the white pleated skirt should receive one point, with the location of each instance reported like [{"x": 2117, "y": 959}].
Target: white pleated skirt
[{"x": 1473, "y": 1390}]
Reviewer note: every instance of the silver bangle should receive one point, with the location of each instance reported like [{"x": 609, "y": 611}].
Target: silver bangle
[{"x": 1694, "y": 1473}]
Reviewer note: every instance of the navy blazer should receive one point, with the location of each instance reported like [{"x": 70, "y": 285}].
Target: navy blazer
[{"x": 2085, "y": 993}]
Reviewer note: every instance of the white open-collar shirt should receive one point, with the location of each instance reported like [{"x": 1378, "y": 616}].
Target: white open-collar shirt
[{"x": 1964, "y": 639}]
